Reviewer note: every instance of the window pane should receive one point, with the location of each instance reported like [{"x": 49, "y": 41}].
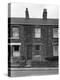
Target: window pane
[
  {"x": 16, "y": 48},
  {"x": 37, "y": 32},
  {"x": 55, "y": 50},
  {"x": 37, "y": 47},
  {"x": 15, "y": 33},
  {"x": 16, "y": 51},
  {"x": 55, "y": 32}
]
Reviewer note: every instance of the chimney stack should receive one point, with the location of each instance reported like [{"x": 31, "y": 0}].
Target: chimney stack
[
  {"x": 27, "y": 13},
  {"x": 45, "y": 14}
]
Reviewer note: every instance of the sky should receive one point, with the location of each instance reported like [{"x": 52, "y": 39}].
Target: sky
[{"x": 35, "y": 10}]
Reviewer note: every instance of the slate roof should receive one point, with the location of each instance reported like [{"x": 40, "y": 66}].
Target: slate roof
[{"x": 33, "y": 21}]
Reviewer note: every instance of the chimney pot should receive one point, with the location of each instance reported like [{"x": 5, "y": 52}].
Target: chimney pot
[
  {"x": 27, "y": 13},
  {"x": 45, "y": 14}
]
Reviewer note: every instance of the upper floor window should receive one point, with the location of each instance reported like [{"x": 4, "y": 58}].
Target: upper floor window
[
  {"x": 55, "y": 32},
  {"x": 55, "y": 50},
  {"x": 37, "y": 32},
  {"x": 15, "y": 33}
]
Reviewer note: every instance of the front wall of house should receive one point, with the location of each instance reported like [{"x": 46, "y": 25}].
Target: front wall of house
[{"x": 31, "y": 46}]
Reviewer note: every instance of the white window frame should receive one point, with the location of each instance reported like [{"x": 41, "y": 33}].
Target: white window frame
[
  {"x": 55, "y": 33},
  {"x": 16, "y": 53},
  {"x": 11, "y": 44},
  {"x": 54, "y": 50},
  {"x": 37, "y": 32},
  {"x": 16, "y": 35}
]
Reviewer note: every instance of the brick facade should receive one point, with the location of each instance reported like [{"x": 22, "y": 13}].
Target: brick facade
[{"x": 28, "y": 40}]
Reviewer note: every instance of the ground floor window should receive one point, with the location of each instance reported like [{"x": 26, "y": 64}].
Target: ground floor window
[
  {"x": 37, "y": 47},
  {"x": 55, "y": 50},
  {"x": 36, "y": 52},
  {"x": 16, "y": 50}
]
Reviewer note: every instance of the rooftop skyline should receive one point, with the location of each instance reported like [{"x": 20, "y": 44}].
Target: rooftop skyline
[{"x": 35, "y": 10}]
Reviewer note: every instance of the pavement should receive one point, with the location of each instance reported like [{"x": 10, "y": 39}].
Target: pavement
[
  {"x": 21, "y": 72},
  {"x": 37, "y": 69}
]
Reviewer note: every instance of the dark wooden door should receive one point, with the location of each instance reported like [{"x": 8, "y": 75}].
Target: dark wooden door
[{"x": 29, "y": 52}]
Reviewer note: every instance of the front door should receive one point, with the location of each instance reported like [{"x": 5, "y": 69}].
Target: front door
[{"x": 29, "y": 52}]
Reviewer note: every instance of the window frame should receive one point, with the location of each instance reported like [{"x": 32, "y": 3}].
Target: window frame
[
  {"x": 37, "y": 33},
  {"x": 55, "y": 32},
  {"x": 15, "y": 37},
  {"x": 37, "y": 47},
  {"x": 16, "y": 51},
  {"x": 54, "y": 46},
  {"x": 15, "y": 47}
]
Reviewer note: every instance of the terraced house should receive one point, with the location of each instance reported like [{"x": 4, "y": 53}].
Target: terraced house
[{"x": 33, "y": 41}]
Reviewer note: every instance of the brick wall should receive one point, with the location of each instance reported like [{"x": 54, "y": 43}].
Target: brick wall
[{"x": 26, "y": 37}]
